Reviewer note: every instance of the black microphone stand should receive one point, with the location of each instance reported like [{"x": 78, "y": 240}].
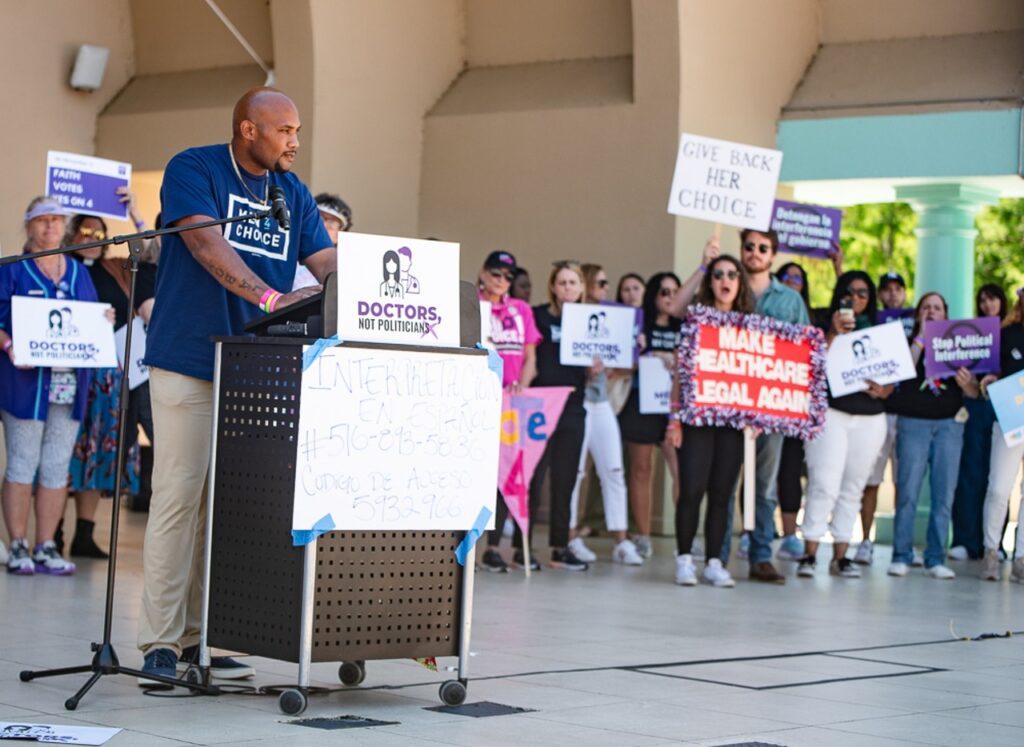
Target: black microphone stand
[{"x": 104, "y": 660}]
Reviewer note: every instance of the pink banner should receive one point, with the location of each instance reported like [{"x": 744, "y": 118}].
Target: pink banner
[{"x": 527, "y": 421}]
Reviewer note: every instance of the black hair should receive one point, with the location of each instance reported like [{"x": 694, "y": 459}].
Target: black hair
[
  {"x": 745, "y": 302},
  {"x": 805, "y": 291},
  {"x": 623, "y": 279},
  {"x": 992, "y": 291},
  {"x": 338, "y": 205},
  {"x": 651, "y": 290},
  {"x": 76, "y": 223},
  {"x": 842, "y": 288},
  {"x": 390, "y": 256},
  {"x": 60, "y": 319}
]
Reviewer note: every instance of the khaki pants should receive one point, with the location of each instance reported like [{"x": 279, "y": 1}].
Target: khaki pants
[{"x": 175, "y": 532}]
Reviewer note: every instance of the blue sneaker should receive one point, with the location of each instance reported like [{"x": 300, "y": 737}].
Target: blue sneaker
[
  {"x": 791, "y": 548},
  {"x": 162, "y": 662},
  {"x": 743, "y": 550},
  {"x": 221, "y": 667}
]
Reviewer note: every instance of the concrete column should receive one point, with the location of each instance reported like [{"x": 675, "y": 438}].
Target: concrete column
[{"x": 946, "y": 233}]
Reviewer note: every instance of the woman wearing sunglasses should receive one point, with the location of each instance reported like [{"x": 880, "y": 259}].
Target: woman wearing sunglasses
[
  {"x": 94, "y": 460},
  {"x": 562, "y": 453},
  {"x": 514, "y": 335},
  {"x": 602, "y": 439},
  {"x": 642, "y": 433},
  {"x": 929, "y": 437},
  {"x": 709, "y": 456},
  {"x": 840, "y": 460}
]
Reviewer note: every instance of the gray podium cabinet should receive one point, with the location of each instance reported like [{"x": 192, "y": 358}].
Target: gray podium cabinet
[{"x": 346, "y": 597}]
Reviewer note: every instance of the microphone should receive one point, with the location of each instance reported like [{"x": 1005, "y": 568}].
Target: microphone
[{"x": 279, "y": 208}]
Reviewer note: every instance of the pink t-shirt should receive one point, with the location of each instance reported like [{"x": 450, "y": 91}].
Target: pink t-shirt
[{"x": 512, "y": 328}]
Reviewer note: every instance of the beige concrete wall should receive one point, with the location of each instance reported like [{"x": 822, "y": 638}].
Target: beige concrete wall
[
  {"x": 38, "y": 42},
  {"x": 588, "y": 182},
  {"x": 187, "y": 35},
  {"x": 866, "y": 20},
  {"x": 380, "y": 66},
  {"x": 499, "y": 32},
  {"x": 735, "y": 77},
  {"x": 294, "y": 67}
]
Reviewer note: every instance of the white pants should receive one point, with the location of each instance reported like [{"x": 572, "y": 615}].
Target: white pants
[
  {"x": 839, "y": 462},
  {"x": 887, "y": 451},
  {"x": 603, "y": 441},
  {"x": 1001, "y": 474}
]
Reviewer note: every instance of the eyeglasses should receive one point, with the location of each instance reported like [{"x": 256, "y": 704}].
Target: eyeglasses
[
  {"x": 603, "y": 283},
  {"x": 749, "y": 246},
  {"x": 93, "y": 233},
  {"x": 719, "y": 274},
  {"x": 666, "y": 292},
  {"x": 787, "y": 278},
  {"x": 858, "y": 292},
  {"x": 502, "y": 274}
]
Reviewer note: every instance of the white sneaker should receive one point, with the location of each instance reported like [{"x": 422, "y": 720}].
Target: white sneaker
[
  {"x": 3, "y": 554},
  {"x": 686, "y": 573},
  {"x": 957, "y": 553},
  {"x": 717, "y": 576},
  {"x": 643, "y": 545},
  {"x": 625, "y": 553},
  {"x": 865, "y": 553},
  {"x": 943, "y": 572},
  {"x": 918, "y": 561},
  {"x": 898, "y": 569},
  {"x": 581, "y": 551}
]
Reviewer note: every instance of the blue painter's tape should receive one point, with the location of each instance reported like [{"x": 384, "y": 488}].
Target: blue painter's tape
[
  {"x": 494, "y": 362},
  {"x": 316, "y": 348},
  {"x": 302, "y": 537},
  {"x": 469, "y": 541}
]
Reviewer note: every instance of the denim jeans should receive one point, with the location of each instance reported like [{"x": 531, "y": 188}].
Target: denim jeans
[
  {"x": 969, "y": 498},
  {"x": 766, "y": 498},
  {"x": 920, "y": 445}
]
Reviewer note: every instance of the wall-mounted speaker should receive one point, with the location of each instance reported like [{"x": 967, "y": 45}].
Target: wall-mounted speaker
[{"x": 90, "y": 64}]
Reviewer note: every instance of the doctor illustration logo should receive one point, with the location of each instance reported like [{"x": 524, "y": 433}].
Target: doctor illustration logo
[
  {"x": 262, "y": 236},
  {"x": 59, "y": 326},
  {"x": 392, "y": 285},
  {"x": 409, "y": 283},
  {"x": 863, "y": 350},
  {"x": 597, "y": 326}
]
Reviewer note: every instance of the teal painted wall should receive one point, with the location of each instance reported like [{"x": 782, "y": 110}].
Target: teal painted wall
[{"x": 941, "y": 144}]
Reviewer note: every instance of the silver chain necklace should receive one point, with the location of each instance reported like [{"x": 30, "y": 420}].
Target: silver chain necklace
[{"x": 238, "y": 173}]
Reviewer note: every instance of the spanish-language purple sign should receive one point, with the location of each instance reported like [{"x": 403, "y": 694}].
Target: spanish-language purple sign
[
  {"x": 810, "y": 230},
  {"x": 961, "y": 343},
  {"x": 904, "y": 316},
  {"x": 86, "y": 184}
]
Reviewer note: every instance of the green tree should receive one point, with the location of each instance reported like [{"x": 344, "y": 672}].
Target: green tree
[{"x": 1000, "y": 246}]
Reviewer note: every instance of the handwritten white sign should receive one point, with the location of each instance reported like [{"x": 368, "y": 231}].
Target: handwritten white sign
[
  {"x": 59, "y": 333},
  {"x": 398, "y": 290},
  {"x": 602, "y": 331},
  {"x": 138, "y": 372},
  {"x": 724, "y": 182},
  {"x": 396, "y": 439},
  {"x": 655, "y": 385},
  {"x": 878, "y": 353}
]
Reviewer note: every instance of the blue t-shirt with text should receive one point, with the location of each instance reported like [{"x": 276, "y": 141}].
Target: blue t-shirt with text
[{"x": 191, "y": 305}]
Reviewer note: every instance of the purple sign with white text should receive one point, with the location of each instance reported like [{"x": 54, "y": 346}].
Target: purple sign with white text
[
  {"x": 810, "y": 230},
  {"x": 86, "y": 184},
  {"x": 961, "y": 343}
]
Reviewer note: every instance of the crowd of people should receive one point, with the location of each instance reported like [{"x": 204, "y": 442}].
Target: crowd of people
[{"x": 944, "y": 429}]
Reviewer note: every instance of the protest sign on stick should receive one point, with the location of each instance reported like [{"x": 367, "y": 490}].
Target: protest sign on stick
[
  {"x": 725, "y": 182},
  {"x": 604, "y": 331},
  {"x": 961, "y": 343}
]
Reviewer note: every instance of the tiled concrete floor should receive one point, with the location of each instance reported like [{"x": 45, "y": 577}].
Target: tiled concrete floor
[{"x": 615, "y": 656}]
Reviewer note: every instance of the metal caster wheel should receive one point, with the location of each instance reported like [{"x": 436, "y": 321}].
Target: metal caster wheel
[
  {"x": 453, "y": 693},
  {"x": 352, "y": 673},
  {"x": 293, "y": 702}
]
